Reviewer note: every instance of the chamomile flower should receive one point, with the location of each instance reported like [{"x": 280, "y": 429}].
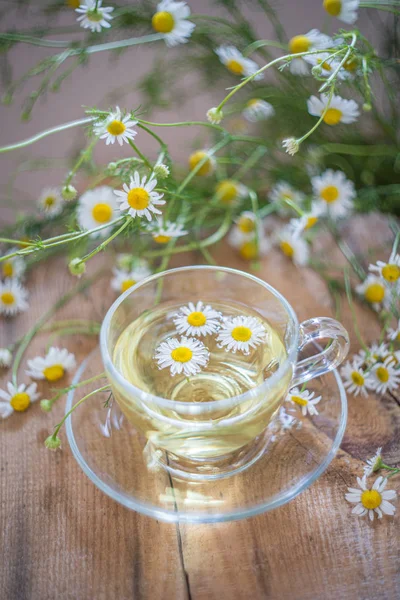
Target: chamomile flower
[
  {"x": 374, "y": 463},
  {"x": 13, "y": 267},
  {"x": 53, "y": 366},
  {"x": 394, "y": 333},
  {"x": 334, "y": 192},
  {"x": 164, "y": 232},
  {"x": 291, "y": 145},
  {"x": 249, "y": 249},
  {"x": 5, "y": 358},
  {"x": 116, "y": 128},
  {"x": 325, "y": 64},
  {"x": 390, "y": 271},
  {"x": 50, "y": 202},
  {"x": 94, "y": 17},
  {"x": 376, "y": 353},
  {"x": 280, "y": 193},
  {"x": 186, "y": 356},
  {"x": 339, "y": 111},
  {"x": 95, "y": 208},
  {"x": 293, "y": 246},
  {"x": 214, "y": 115},
  {"x": 13, "y": 297},
  {"x": 282, "y": 422},
  {"x": 236, "y": 63},
  {"x": 17, "y": 398},
  {"x": 208, "y": 165},
  {"x": 374, "y": 291},
  {"x": 139, "y": 199},
  {"x": 356, "y": 380},
  {"x": 171, "y": 20},
  {"x": 258, "y": 110},
  {"x": 308, "y": 220},
  {"x": 123, "y": 279},
  {"x": 345, "y": 10},
  {"x": 305, "y": 400},
  {"x": 384, "y": 376},
  {"x": 197, "y": 320},
  {"x": 229, "y": 191},
  {"x": 313, "y": 40},
  {"x": 370, "y": 501},
  {"x": 241, "y": 333}
]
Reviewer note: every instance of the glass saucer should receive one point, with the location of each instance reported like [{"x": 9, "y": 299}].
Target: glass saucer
[{"x": 291, "y": 455}]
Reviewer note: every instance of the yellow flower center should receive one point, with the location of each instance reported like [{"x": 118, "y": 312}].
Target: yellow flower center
[
  {"x": 371, "y": 499},
  {"x": 181, "y": 354},
  {"x": 391, "y": 272},
  {"x": 20, "y": 402},
  {"x": 330, "y": 193},
  {"x": 73, "y": 3},
  {"x": 8, "y": 269},
  {"x": 311, "y": 222},
  {"x": 325, "y": 65},
  {"x": 116, "y": 127},
  {"x": 246, "y": 225},
  {"x": 357, "y": 378},
  {"x": 333, "y": 7},
  {"x": 241, "y": 334},
  {"x": 299, "y": 400},
  {"x": 49, "y": 201},
  {"x": 194, "y": 160},
  {"x": 287, "y": 249},
  {"x": 101, "y": 212},
  {"x": 374, "y": 293},
  {"x": 351, "y": 64},
  {"x": 226, "y": 191},
  {"x": 333, "y": 116},
  {"x": 126, "y": 284},
  {"x": 197, "y": 319},
  {"x": 299, "y": 43},
  {"x": 249, "y": 250},
  {"x": 235, "y": 66},
  {"x": 53, "y": 373},
  {"x": 398, "y": 337},
  {"x": 252, "y": 103},
  {"x": 138, "y": 198},
  {"x": 162, "y": 239},
  {"x": 382, "y": 374},
  {"x": 163, "y": 22},
  {"x": 8, "y": 298}
]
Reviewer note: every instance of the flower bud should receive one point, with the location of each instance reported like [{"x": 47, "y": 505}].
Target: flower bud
[
  {"x": 215, "y": 116},
  {"x": 69, "y": 193},
  {"x": 53, "y": 442},
  {"x": 5, "y": 357},
  {"x": 161, "y": 171},
  {"x": 77, "y": 267}
]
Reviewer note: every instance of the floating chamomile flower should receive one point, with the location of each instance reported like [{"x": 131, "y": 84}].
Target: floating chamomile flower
[
  {"x": 236, "y": 63},
  {"x": 394, "y": 333},
  {"x": 371, "y": 501},
  {"x": 258, "y": 110},
  {"x": 345, "y": 10},
  {"x": 283, "y": 192},
  {"x": 241, "y": 333},
  {"x": 198, "y": 320},
  {"x": 293, "y": 246},
  {"x": 356, "y": 380},
  {"x": 95, "y": 208},
  {"x": 229, "y": 191},
  {"x": 53, "y": 366},
  {"x": 374, "y": 291},
  {"x": 5, "y": 358},
  {"x": 334, "y": 192},
  {"x": 50, "y": 202},
  {"x": 123, "y": 280},
  {"x": 171, "y": 21},
  {"x": 282, "y": 423},
  {"x": 94, "y": 16},
  {"x": 185, "y": 355},
  {"x": 385, "y": 376},
  {"x": 339, "y": 111},
  {"x": 164, "y": 232},
  {"x": 374, "y": 463},
  {"x": 116, "y": 128},
  {"x": 139, "y": 199},
  {"x": 18, "y": 398},
  {"x": 13, "y": 297},
  {"x": 14, "y": 266},
  {"x": 313, "y": 40},
  {"x": 305, "y": 400},
  {"x": 308, "y": 220},
  {"x": 390, "y": 271},
  {"x": 208, "y": 165}
]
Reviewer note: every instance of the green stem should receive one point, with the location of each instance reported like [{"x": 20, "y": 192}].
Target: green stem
[
  {"x": 260, "y": 44},
  {"x": 74, "y": 386},
  {"x": 61, "y": 423},
  {"x": 318, "y": 123},
  {"x": 140, "y": 154},
  {"x": 154, "y": 135},
  {"x": 209, "y": 153},
  {"x": 183, "y": 124},
  {"x": 352, "y": 309},
  {"x": 346, "y": 251},
  {"x": 107, "y": 241},
  {"x": 332, "y": 77},
  {"x": 28, "y": 39},
  {"x": 250, "y": 162},
  {"x": 85, "y": 154}
]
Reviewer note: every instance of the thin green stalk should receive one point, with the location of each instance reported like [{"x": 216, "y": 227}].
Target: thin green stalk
[
  {"x": 140, "y": 154},
  {"x": 74, "y": 386},
  {"x": 352, "y": 309},
  {"x": 182, "y": 124},
  {"x": 333, "y": 76},
  {"x": 209, "y": 153},
  {"x": 28, "y": 39},
  {"x": 154, "y": 135},
  {"x": 260, "y": 44},
  {"x": 107, "y": 241},
  {"x": 346, "y": 251},
  {"x": 250, "y": 162},
  {"x": 84, "y": 155}
]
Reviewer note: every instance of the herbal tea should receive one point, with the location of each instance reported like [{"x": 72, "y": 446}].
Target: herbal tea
[{"x": 195, "y": 354}]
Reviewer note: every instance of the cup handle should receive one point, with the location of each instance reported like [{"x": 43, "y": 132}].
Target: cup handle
[{"x": 326, "y": 360}]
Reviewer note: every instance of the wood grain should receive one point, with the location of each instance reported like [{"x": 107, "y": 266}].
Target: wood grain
[{"x": 62, "y": 538}]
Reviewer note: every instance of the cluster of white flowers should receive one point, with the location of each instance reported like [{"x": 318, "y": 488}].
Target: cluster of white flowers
[
  {"x": 188, "y": 355},
  {"x": 128, "y": 272},
  {"x": 381, "y": 288},
  {"x": 13, "y": 295}
]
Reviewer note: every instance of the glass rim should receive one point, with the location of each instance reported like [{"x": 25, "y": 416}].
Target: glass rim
[{"x": 267, "y": 384}]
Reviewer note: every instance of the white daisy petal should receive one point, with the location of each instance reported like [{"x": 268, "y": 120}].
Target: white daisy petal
[
  {"x": 293, "y": 246},
  {"x": 372, "y": 500},
  {"x": 236, "y": 63},
  {"x": 197, "y": 320},
  {"x": 116, "y": 128},
  {"x": 171, "y": 21},
  {"x": 345, "y": 10},
  {"x": 258, "y": 110},
  {"x": 163, "y": 232},
  {"x": 139, "y": 199},
  {"x": 185, "y": 355},
  {"x": 53, "y": 366},
  {"x": 92, "y": 17},
  {"x": 334, "y": 193},
  {"x": 305, "y": 400},
  {"x": 5, "y": 358},
  {"x": 18, "y": 398},
  {"x": 97, "y": 207},
  {"x": 241, "y": 333},
  {"x": 123, "y": 279},
  {"x": 50, "y": 202},
  {"x": 13, "y": 297},
  {"x": 356, "y": 380},
  {"x": 340, "y": 110},
  {"x": 313, "y": 40},
  {"x": 283, "y": 192},
  {"x": 13, "y": 267}
]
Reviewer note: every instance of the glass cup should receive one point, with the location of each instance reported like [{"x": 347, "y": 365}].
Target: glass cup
[{"x": 217, "y": 438}]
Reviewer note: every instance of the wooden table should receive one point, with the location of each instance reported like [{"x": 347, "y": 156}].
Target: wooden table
[{"x": 62, "y": 538}]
